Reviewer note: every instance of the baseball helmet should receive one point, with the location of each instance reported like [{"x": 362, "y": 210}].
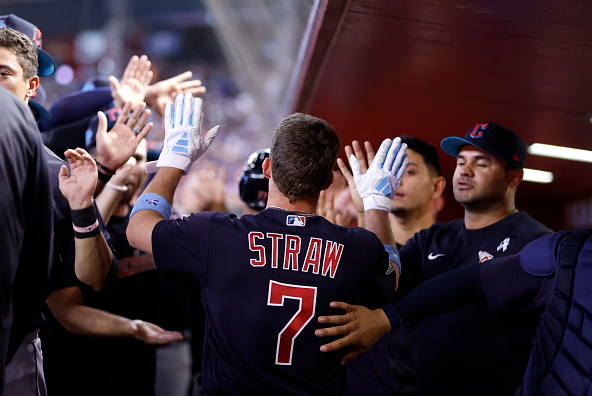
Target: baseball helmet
[{"x": 253, "y": 186}]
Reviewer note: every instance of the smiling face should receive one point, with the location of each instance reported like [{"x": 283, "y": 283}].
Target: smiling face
[
  {"x": 417, "y": 186},
  {"x": 480, "y": 179}
]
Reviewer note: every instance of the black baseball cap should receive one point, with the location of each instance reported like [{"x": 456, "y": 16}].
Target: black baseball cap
[
  {"x": 37, "y": 102},
  {"x": 46, "y": 63},
  {"x": 493, "y": 139}
]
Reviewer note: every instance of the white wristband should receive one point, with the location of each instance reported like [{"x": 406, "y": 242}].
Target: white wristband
[{"x": 115, "y": 187}]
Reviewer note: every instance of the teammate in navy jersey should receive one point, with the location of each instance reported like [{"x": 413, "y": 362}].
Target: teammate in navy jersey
[
  {"x": 26, "y": 215},
  {"x": 265, "y": 277},
  {"x": 470, "y": 350}
]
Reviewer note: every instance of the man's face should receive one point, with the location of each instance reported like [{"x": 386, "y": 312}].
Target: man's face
[
  {"x": 480, "y": 179},
  {"x": 11, "y": 75},
  {"x": 417, "y": 187},
  {"x": 137, "y": 177}
]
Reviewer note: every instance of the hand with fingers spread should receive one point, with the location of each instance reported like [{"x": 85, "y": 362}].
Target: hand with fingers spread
[
  {"x": 359, "y": 153},
  {"x": 360, "y": 327},
  {"x": 183, "y": 142},
  {"x": 116, "y": 146},
  {"x": 158, "y": 95},
  {"x": 79, "y": 186},
  {"x": 133, "y": 84},
  {"x": 378, "y": 185}
]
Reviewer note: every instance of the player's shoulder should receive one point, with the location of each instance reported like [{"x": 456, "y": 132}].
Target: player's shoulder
[
  {"x": 540, "y": 256},
  {"x": 528, "y": 225}
]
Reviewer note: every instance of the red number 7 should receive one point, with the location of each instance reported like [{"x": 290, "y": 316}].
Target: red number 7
[{"x": 307, "y": 296}]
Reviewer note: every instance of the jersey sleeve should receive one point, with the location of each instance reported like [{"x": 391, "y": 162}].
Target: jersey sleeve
[
  {"x": 509, "y": 288},
  {"x": 182, "y": 244},
  {"x": 410, "y": 255},
  {"x": 380, "y": 282}
]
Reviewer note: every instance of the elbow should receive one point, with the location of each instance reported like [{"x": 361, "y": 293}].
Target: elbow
[
  {"x": 93, "y": 280},
  {"x": 131, "y": 234}
]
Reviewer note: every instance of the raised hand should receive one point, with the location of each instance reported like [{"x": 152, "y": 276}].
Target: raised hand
[
  {"x": 183, "y": 142},
  {"x": 158, "y": 95},
  {"x": 80, "y": 185},
  {"x": 133, "y": 84},
  {"x": 116, "y": 146},
  {"x": 378, "y": 185}
]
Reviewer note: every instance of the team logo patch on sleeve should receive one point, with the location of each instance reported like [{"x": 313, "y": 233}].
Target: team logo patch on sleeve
[{"x": 298, "y": 221}]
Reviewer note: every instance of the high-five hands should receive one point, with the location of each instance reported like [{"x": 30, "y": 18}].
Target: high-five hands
[
  {"x": 379, "y": 184},
  {"x": 183, "y": 143}
]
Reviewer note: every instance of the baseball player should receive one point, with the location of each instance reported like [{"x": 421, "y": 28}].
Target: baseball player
[
  {"x": 265, "y": 277},
  {"x": 470, "y": 350}
]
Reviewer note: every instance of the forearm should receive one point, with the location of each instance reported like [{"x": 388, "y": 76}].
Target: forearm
[
  {"x": 445, "y": 293},
  {"x": 142, "y": 222},
  {"x": 378, "y": 222},
  {"x": 106, "y": 202},
  {"x": 93, "y": 322},
  {"x": 93, "y": 260}
]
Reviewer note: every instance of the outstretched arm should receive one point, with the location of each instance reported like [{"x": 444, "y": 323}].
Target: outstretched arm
[
  {"x": 182, "y": 147},
  {"x": 68, "y": 307},
  {"x": 362, "y": 327}
]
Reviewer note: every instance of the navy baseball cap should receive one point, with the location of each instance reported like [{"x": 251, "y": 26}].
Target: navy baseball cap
[
  {"x": 36, "y": 102},
  {"x": 493, "y": 139},
  {"x": 46, "y": 63}
]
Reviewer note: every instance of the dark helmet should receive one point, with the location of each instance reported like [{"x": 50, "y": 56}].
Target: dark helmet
[{"x": 253, "y": 186}]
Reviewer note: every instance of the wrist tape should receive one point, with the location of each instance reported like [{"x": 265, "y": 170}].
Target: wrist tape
[
  {"x": 152, "y": 201},
  {"x": 85, "y": 222}
]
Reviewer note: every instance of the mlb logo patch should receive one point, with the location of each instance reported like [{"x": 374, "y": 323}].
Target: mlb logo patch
[{"x": 298, "y": 221}]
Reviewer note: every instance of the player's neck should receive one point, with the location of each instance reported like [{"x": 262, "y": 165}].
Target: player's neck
[
  {"x": 405, "y": 225},
  {"x": 281, "y": 201},
  {"x": 476, "y": 219}
]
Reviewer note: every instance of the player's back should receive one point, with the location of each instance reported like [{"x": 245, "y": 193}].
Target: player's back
[{"x": 266, "y": 278}]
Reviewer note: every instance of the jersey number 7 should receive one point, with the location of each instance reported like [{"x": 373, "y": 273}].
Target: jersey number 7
[{"x": 307, "y": 297}]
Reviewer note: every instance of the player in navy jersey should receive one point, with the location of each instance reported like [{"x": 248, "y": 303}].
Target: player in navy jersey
[
  {"x": 470, "y": 350},
  {"x": 265, "y": 277}
]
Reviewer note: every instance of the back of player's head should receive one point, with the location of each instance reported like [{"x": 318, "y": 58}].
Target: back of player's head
[
  {"x": 24, "y": 49},
  {"x": 427, "y": 151},
  {"x": 303, "y": 153},
  {"x": 253, "y": 186}
]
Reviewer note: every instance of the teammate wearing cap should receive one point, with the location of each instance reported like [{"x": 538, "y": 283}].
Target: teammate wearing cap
[
  {"x": 265, "y": 276},
  {"x": 470, "y": 350}
]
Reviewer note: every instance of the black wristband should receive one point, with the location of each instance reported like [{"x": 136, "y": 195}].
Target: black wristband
[
  {"x": 104, "y": 168},
  {"x": 104, "y": 177},
  {"x": 85, "y": 222}
]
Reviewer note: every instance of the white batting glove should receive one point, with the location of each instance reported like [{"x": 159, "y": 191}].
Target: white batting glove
[
  {"x": 183, "y": 143},
  {"x": 379, "y": 184}
]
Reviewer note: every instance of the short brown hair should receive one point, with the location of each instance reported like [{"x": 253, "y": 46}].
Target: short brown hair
[
  {"x": 23, "y": 48},
  {"x": 303, "y": 153}
]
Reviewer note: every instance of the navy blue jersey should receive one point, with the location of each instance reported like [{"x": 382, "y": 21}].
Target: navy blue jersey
[
  {"x": 26, "y": 218},
  {"x": 470, "y": 350},
  {"x": 265, "y": 280}
]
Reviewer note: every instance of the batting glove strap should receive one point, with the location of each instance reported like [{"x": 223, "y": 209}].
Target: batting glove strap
[
  {"x": 379, "y": 202},
  {"x": 152, "y": 201}
]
